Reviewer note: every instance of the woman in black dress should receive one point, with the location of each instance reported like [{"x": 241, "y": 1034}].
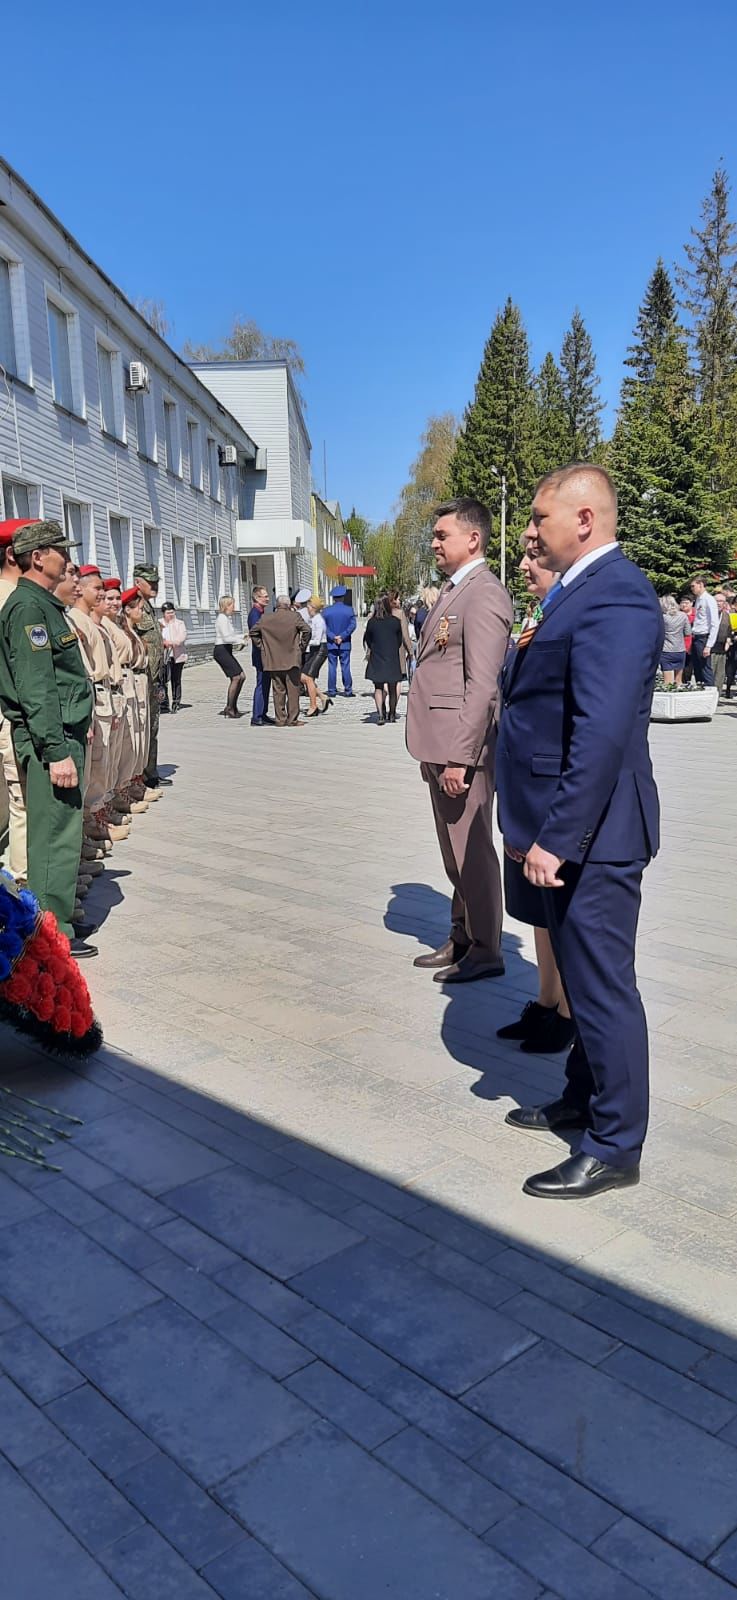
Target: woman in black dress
[{"x": 383, "y": 639}]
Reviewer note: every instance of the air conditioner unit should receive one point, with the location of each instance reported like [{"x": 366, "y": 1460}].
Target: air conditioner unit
[
  {"x": 260, "y": 462},
  {"x": 216, "y": 546},
  {"x": 227, "y": 455},
  {"x": 138, "y": 377}
]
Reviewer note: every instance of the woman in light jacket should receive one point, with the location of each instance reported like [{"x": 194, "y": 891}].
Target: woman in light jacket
[{"x": 228, "y": 639}]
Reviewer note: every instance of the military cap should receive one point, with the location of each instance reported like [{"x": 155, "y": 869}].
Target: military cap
[
  {"x": 111, "y": 583},
  {"x": 339, "y": 592},
  {"x": 129, "y": 595},
  {"x": 90, "y": 572},
  {"x": 41, "y": 536},
  {"x": 9, "y": 529},
  {"x": 301, "y": 597},
  {"x": 143, "y": 569}
]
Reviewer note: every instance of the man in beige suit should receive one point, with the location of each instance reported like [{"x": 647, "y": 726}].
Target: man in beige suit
[
  {"x": 451, "y": 730},
  {"x": 282, "y": 637}
]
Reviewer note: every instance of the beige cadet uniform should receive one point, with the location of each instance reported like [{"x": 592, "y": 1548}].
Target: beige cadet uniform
[
  {"x": 95, "y": 657},
  {"x": 16, "y": 858},
  {"x": 128, "y": 747}
]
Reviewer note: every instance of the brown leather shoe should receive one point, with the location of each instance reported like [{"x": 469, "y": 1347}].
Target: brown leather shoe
[
  {"x": 447, "y": 954},
  {"x": 469, "y": 969}
]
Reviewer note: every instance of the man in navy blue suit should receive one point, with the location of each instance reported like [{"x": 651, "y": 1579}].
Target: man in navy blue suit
[
  {"x": 578, "y": 803},
  {"x": 259, "y": 713}
]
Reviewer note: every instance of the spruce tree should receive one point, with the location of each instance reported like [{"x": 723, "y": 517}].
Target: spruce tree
[
  {"x": 656, "y": 320},
  {"x": 659, "y": 460},
  {"x": 499, "y": 429},
  {"x": 708, "y": 285},
  {"x": 580, "y": 385},
  {"x": 551, "y": 431}
]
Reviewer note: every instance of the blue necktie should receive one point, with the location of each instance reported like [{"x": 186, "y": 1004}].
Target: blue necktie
[{"x": 551, "y": 594}]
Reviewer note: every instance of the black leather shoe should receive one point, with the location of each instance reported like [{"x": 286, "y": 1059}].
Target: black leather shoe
[
  {"x": 578, "y": 1178},
  {"x": 164, "y": 783},
  {"x": 84, "y": 930},
  {"x": 469, "y": 969},
  {"x": 269, "y": 722},
  {"x": 527, "y": 1025},
  {"x": 554, "y": 1033},
  {"x": 546, "y": 1119},
  {"x": 444, "y": 957},
  {"x": 81, "y": 950}
]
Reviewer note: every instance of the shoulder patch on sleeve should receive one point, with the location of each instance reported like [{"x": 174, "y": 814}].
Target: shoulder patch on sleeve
[{"x": 38, "y": 636}]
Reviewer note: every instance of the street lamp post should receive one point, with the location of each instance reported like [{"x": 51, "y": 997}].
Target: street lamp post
[{"x": 503, "y": 526}]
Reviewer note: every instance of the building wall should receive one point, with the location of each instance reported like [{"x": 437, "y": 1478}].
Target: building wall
[
  {"x": 64, "y": 461},
  {"x": 259, "y": 391}
]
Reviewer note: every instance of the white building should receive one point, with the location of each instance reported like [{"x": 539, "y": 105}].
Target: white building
[
  {"x": 104, "y": 427},
  {"x": 276, "y": 538}
]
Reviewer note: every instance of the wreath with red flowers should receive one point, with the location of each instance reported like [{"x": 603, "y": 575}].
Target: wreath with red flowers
[{"x": 42, "y": 990}]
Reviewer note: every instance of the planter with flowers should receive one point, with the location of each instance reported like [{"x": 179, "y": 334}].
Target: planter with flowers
[{"x": 683, "y": 702}]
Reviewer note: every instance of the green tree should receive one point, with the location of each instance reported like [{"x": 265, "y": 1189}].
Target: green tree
[
  {"x": 498, "y": 429},
  {"x": 580, "y": 385},
  {"x": 247, "y": 342},
  {"x": 428, "y": 482},
  {"x": 656, "y": 320},
  {"x": 659, "y": 460},
  {"x": 708, "y": 285},
  {"x": 551, "y": 430}
]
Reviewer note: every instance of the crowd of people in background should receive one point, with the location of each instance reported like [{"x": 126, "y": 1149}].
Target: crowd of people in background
[
  {"x": 700, "y": 645},
  {"x": 86, "y": 667}
]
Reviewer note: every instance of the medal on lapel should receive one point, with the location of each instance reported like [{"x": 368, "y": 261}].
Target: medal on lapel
[{"x": 442, "y": 636}]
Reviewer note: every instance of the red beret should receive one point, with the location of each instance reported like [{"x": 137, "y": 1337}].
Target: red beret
[
  {"x": 111, "y": 583},
  {"x": 7, "y": 529},
  {"x": 128, "y": 595},
  {"x": 89, "y": 572}
]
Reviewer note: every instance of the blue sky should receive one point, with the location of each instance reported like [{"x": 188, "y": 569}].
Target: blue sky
[{"x": 374, "y": 179}]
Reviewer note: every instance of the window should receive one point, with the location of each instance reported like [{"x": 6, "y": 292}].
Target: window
[
  {"x": 77, "y": 526},
  {"x": 181, "y": 575},
  {"x": 21, "y": 499},
  {"x": 7, "y": 333},
  {"x": 233, "y": 565},
  {"x": 152, "y": 546},
  {"x": 66, "y": 356},
  {"x": 15, "y": 347},
  {"x": 195, "y": 454},
  {"x": 200, "y": 577},
  {"x": 171, "y": 435},
  {"x": 120, "y": 548},
  {"x": 145, "y": 424},
  {"x": 112, "y": 403},
  {"x": 217, "y": 577},
  {"x": 214, "y": 467}
]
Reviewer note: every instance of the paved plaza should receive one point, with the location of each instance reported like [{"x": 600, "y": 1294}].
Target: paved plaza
[{"x": 285, "y": 1324}]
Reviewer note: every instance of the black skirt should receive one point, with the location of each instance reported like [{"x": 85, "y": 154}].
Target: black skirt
[
  {"x": 523, "y": 900},
  {"x": 223, "y": 654},
  {"x": 316, "y": 657}
]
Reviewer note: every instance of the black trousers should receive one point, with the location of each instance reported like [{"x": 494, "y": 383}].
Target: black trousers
[
  {"x": 702, "y": 669},
  {"x": 173, "y": 676}
]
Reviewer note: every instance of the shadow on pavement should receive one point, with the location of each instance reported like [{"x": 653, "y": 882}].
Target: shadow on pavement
[{"x": 239, "y": 1365}]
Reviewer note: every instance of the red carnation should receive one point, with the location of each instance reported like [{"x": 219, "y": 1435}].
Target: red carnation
[{"x": 43, "y": 1009}]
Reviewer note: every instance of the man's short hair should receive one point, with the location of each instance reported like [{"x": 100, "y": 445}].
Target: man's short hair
[
  {"x": 562, "y": 475},
  {"x": 701, "y": 577},
  {"x": 283, "y": 602},
  {"x": 259, "y": 588},
  {"x": 24, "y": 558},
  {"x": 469, "y": 510}
]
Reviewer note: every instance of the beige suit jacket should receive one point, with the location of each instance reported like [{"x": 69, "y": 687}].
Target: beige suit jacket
[
  {"x": 452, "y": 706},
  {"x": 282, "y": 637}
]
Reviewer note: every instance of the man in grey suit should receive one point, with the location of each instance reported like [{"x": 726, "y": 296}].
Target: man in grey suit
[{"x": 451, "y": 731}]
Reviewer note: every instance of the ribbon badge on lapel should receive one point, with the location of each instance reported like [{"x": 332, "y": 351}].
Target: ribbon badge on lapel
[
  {"x": 532, "y": 623},
  {"x": 442, "y": 636}
]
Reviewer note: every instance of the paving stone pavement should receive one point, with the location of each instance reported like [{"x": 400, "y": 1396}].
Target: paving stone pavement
[{"x": 284, "y": 1324}]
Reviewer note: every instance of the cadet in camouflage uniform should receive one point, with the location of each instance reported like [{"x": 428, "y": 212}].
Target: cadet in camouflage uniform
[
  {"x": 146, "y": 580},
  {"x": 47, "y": 698}
]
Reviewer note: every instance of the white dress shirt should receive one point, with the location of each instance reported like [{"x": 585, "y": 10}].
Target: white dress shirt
[
  {"x": 225, "y": 630},
  {"x": 706, "y": 619},
  {"x": 319, "y": 629},
  {"x": 468, "y": 566},
  {"x": 586, "y": 561}
]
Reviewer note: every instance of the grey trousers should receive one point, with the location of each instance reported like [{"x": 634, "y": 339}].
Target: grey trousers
[{"x": 463, "y": 827}]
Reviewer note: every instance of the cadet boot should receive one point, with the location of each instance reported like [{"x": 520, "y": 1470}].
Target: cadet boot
[
  {"x": 92, "y": 869},
  {"x": 92, "y": 851},
  {"x": 153, "y": 794}
]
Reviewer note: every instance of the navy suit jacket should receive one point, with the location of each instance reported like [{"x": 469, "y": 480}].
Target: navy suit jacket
[
  {"x": 255, "y": 616},
  {"x": 573, "y": 767}
]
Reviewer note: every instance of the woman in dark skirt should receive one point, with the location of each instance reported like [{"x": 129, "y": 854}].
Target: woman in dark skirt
[
  {"x": 545, "y": 1025},
  {"x": 228, "y": 639},
  {"x": 383, "y": 641}
]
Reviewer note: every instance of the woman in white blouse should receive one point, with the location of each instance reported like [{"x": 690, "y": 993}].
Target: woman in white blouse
[
  {"x": 317, "y": 654},
  {"x": 228, "y": 639}
]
